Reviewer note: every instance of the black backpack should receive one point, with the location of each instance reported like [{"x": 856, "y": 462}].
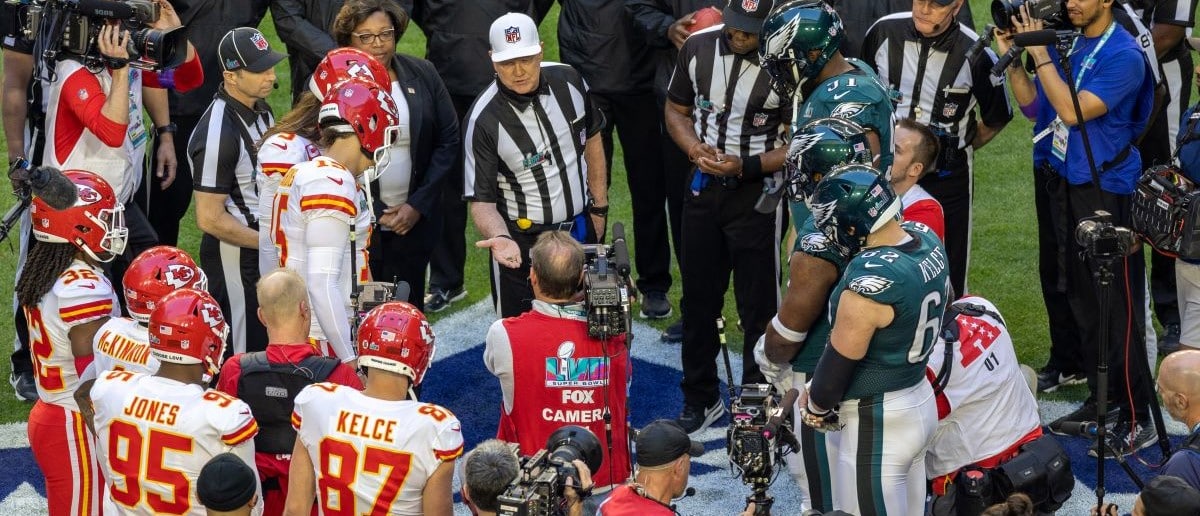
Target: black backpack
[{"x": 271, "y": 389}]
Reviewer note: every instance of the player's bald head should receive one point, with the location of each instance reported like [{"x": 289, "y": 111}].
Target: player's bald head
[
  {"x": 1180, "y": 372},
  {"x": 279, "y": 293}
]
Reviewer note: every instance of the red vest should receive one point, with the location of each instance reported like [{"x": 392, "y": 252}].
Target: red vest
[
  {"x": 625, "y": 501},
  {"x": 563, "y": 377}
]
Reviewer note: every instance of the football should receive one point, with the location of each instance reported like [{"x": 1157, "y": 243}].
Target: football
[{"x": 705, "y": 18}]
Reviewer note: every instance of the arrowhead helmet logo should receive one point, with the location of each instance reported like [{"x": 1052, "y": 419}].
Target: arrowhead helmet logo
[
  {"x": 88, "y": 195},
  {"x": 178, "y": 276}
]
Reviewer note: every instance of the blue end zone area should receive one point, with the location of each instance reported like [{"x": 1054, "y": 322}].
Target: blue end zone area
[{"x": 474, "y": 396}]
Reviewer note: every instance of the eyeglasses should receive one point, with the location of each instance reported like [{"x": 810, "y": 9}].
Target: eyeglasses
[{"x": 367, "y": 38}]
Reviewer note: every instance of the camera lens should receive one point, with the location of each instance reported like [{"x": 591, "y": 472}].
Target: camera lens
[
  {"x": 575, "y": 443},
  {"x": 1085, "y": 232},
  {"x": 1003, "y": 11}
]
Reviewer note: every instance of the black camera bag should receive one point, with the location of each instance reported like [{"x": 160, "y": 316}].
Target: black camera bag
[
  {"x": 1166, "y": 212},
  {"x": 1042, "y": 471}
]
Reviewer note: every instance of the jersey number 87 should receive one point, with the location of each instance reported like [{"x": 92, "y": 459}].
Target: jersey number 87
[{"x": 341, "y": 464}]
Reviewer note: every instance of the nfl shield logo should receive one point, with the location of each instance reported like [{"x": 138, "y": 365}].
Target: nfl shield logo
[
  {"x": 512, "y": 34},
  {"x": 760, "y": 119},
  {"x": 259, "y": 41},
  {"x": 949, "y": 110},
  {"x": 749, "y": 5}
]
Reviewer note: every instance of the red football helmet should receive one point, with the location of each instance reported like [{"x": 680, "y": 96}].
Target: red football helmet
[
  {"x": 396, "y": 337},
  {"x": 95, "y": 224},
  {"x": 360, "y": 106},
  {"x": 156, "y": 272},
  {"x": 187, "y": 327},
  {"x": 343, "y": 63}
]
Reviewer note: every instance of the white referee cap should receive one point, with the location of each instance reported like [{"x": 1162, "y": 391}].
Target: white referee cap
[{"x": 512, "y": 36}]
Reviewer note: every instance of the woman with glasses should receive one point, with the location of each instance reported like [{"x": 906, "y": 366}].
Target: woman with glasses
[{"x": 407, "y": 195}]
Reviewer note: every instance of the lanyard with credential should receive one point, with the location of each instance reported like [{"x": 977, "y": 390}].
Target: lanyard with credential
[{"x": 1090, "y": 61}]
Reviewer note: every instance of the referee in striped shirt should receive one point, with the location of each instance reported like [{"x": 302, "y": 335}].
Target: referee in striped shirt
[
  {"x": 534, "y": 160},
  {"x": 224, "y": 161},
  {"x": 923, "y": 55},
  {"x": 722, "y": 112}
]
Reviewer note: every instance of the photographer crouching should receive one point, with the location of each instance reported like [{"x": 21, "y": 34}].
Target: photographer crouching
[
  {"x": 1115, "y": 90},
  {"x": 552, "y": 372},
  {"x": 491, "y": 468}
]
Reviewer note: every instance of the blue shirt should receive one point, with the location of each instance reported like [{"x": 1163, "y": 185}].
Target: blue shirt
[
  {"x": 1184, "y": 464},
  {"x": 1121, "y": 79},
  {"x": 1045, "y": 115},
  {"x": 1189, "y": 152}
]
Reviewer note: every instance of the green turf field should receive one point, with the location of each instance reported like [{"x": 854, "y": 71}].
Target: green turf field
[{"x": 1003, "y": 265}]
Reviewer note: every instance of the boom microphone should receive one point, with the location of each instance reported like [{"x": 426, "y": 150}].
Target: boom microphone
[
  {"x": 55, "y": 189},
  {"x": 102, "y": 8},
  {"x": 620, "y": 249},
  {"x": 1037, "y": 38},
  {"x": 1080, "y": 428}
]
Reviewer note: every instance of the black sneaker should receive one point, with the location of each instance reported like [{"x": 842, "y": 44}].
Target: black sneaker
[
  {"x": 23, "y": 386},
  {"x": 1125, "y": 439},
  {"x": 655, "y": 305},
  {"x": 673, "y": 333},
  {"x": 437, "y": 299},
  {"x": 1169, "y": 341},
  {"x": 1050, "y": 379},
  {"x": 1086, "y": 412},
  {"x": 696, "y": 419}
]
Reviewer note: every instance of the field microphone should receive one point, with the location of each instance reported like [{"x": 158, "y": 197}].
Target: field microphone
[
  {"x": 620, "y": 250},
  {"x": 1079, "y": 428},
  {"x": 1037, "y": 38},
  {"x": 48, "y": 183}
]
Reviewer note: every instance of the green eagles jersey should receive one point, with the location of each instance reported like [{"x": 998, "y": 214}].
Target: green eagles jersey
[
  {"x": 858, "y": 95},
  {"x": 812, "y": 241},
  {"x": 912, "y": 279}
]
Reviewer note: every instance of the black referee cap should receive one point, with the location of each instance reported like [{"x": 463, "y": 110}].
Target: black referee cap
[
  {"x": 247, "y": 48},
  {"x": 746, "y": 15},
  {"x": 226, "y": 483}
]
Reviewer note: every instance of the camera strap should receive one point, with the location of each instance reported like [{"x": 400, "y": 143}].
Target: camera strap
[{"x": 950, "y": 336}]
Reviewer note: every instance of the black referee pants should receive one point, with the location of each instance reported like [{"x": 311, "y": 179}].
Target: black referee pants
[
  {"x": 166, "y": 207},
  {"x": 232, "y": 276},
  {"x": 449, "y": 254},
  {"x": 1129, "y": 374},
  {"x": 512, "y": 293},
  {"x": 636, "y": 121},
  {"x": 954, "y": 192},
  {"x": 1052, "y": 222},
  {"x": 404, "y": 257},
  {"x": 722, "y": 233}
]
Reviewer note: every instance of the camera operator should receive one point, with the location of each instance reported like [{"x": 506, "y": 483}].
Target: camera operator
[
  {"x": 94, "y": 119},
  {"x": 492, "y": 466},
  {"x": 987, "y": 414},
  {"x": 664, "y": 458},
  {"x": 1115, "y": 101},
  {"x": 592, "y": 375}
]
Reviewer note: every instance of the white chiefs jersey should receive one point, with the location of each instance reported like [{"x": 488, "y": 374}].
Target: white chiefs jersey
[
  {"x": 155, "y": 434},
  {"x": 122, "y": 344},
  {"x": 81, "y": 294},
  {"x": 312, "y": 190},
  {"x": 986, "y": 406},
  {"x": 358, "y": 435},
  {"x": 277, "y": 154}
]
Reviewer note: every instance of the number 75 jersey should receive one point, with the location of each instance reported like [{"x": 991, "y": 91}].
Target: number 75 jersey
[
  {"x": 372, "y": 456},
  {"x": 155, "y": 434}
]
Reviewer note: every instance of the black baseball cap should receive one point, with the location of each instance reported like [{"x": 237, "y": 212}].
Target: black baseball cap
[
  {"x": 246, "y": 48},
  {"x": 226, "y": 483},
  {"x": 663, "y": 441},
  {"x": 746, "y": 15}
]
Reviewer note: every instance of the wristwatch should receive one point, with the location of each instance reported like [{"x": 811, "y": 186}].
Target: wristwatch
[
  {"x": 600, "y": 211},
  {"x": 169, "y": 128}
]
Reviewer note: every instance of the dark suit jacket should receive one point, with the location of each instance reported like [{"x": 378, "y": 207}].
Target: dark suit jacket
[{"x": 434, "y": 128}]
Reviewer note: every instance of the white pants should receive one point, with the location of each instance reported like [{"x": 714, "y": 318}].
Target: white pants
[{"x": 878, "y": 460}]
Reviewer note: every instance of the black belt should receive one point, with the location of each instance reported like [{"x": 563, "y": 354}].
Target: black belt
[{"x": 534, "y": 228}]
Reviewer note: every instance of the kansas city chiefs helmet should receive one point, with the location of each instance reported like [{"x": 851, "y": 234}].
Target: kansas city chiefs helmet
[
  {"x": 156, "y": 272},
  {"x": 396, "y": 337},
  {"x": 187, "y": 327},
  {"x": 94, "y": 225},
  {"x": 343, "y": 63}
]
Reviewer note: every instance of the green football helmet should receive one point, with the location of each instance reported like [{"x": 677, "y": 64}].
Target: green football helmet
[
  {"x": 850, "y": 203},
  {"x": 797, "y": 39},
  {"x": 818, "y": 147}
]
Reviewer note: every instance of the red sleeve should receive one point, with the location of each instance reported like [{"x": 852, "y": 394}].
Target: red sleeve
[
  {"x": 344, "y": 375},
  {"x": 230, "y": 372},
  {"x": 929, "y": 214},
  {"x": 189, "y": 76},
  {"x": 83, "y": 97}
]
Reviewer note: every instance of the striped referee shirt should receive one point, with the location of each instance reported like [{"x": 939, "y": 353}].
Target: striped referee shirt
[
  {"x": 938, "y": 87},
  {"x": 734, "y": 108},
  {"x": 525, "y": 152},
  {"x": 223, "y": 155}
]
